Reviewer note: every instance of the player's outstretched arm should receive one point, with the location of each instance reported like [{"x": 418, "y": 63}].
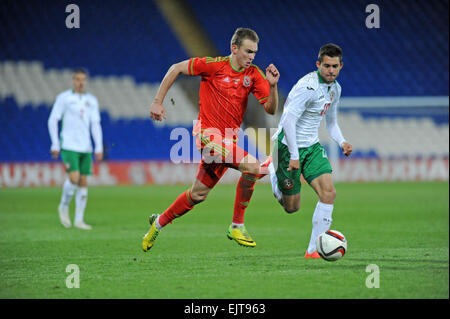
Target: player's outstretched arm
[
  {"x": 272, "y": 75},
  {"x": 157, "y": 111}
]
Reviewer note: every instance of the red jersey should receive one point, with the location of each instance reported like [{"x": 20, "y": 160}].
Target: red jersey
[{"x": 224, "y": 92}]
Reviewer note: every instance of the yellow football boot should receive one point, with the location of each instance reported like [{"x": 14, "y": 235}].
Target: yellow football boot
[
  {"x": 241, "y": 236},
  {"x": 150, "y": 237}
]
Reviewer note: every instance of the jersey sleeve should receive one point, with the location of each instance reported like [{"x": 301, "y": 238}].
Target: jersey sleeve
[
  {"x": 95, "y": 115},
  {"x": 55, "y": 116},
  {"x": 332, "y": 122},
  {"x": 205, "y": 66},
  {"x": 298, "y": 100},
  {"x": 58, "y": 107},
  {"x": 261, "y": 87},
  {"x": 97, "y": 136},
  {"x": 296, "y": 103},
  {"x": 96, "y": 129}
]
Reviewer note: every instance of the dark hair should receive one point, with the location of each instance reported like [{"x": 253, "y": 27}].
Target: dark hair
[
  {"x": 331, "y": 50},
  {"x": 80, "y": 70},
  {"x": 243, "y": 33}
]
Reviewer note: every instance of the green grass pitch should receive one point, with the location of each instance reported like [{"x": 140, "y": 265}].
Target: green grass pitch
[{"x": 403, "y": 228}]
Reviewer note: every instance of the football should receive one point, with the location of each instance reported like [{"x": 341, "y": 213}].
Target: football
[{"x": 331, "y": 245}]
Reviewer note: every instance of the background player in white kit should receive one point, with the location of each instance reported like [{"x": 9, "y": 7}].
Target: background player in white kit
[
  {"x": 80, "y": 115},
  {"x": 297, "y": 149}
]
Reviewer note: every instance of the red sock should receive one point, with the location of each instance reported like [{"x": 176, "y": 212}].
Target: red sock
[
  {"x": 244, "y": 192},
  {"x": 180, "y": 206}
]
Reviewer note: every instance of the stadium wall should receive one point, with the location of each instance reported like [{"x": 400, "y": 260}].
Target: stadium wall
[{"x": 44, "y": 174}]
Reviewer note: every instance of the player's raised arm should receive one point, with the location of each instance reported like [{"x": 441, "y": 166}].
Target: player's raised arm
[
  {"x": 157, "y": 111},
  {"x": 272, "y": 75}
]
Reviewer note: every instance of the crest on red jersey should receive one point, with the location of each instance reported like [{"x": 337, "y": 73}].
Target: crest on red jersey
[{"x": 247, "y": 81}]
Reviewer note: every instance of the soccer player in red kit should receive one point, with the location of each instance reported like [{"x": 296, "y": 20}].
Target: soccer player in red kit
[{"x": 224, "y": 89}]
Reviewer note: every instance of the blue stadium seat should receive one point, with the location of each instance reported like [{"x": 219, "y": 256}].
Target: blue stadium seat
[
  {"x": 398, "y": 59},
  {"x": 113, "y": 38}
]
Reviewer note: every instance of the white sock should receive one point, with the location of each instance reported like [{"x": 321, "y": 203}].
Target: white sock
[
  {"x": 321, "y": 221},
  {"x": 274, "y": 181},
  {"x": 234, "y": 225},
  {"x": 157, "y": 225},
  {"x": 67, "y": 193},
  {"x": 80, "y": 203}
]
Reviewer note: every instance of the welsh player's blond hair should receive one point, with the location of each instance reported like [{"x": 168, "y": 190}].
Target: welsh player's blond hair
[{"x": 243, "y": 33}]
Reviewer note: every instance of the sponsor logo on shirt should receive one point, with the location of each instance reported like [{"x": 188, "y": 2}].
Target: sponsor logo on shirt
[{"x": 227, "y": 79}]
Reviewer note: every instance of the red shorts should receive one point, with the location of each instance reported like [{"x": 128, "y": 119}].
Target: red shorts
[{"x": 218, "y": 154}]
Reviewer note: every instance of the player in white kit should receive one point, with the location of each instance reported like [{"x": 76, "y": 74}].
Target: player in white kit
[
  {"x": 297, "y": 149},
  {"x": 80, "y": 116}
]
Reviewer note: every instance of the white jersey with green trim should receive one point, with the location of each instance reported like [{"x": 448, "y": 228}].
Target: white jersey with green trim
[
  {"x": 309, "y": 100},
  {"x": 80, "y": 115}
]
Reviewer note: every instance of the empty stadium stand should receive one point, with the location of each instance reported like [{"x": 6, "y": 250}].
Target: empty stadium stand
[
  {"x": 114, "y": 38},
  {"x": 401, "y": 58},
  {"x": 128, "y": 46}
]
